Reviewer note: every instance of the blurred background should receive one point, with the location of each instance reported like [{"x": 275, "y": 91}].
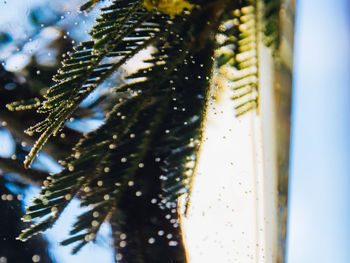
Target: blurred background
[
  {"x": 33, "y": 36},
  {"x": 319, "y": 203},
  {"x": 35, "y": 33}
]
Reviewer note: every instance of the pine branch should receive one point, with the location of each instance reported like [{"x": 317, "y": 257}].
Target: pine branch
[
  {"x": 237, "y": 56},
  {"x": 161, "y": 117},
  {"x": 16, "y": 121},
  {"x": 114, "y": 37},
  {"x": 142, "y": 231}
]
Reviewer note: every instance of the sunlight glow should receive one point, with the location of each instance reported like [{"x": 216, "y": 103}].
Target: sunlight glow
[{"x": 225, "y": 221}]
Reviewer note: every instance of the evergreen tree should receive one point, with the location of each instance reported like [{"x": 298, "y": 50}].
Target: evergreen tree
[{"x": 132, "y": 170}]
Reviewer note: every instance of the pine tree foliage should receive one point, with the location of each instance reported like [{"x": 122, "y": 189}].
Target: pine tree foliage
[
  {"x": 148, "y": 146},
  {"x": 242, "y": 65},
  {"x": 238, "y": 54},
  {"x": 121, "y": 32},
  {"x": 132, "y": 128}
]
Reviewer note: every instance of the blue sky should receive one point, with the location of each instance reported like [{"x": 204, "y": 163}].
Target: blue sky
[
  {"x": 319, "y": 201},
  {"x": 319, "y": 185}
]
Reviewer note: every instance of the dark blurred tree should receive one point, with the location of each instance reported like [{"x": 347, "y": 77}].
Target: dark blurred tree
[
  {"x": 23, "y": 85},
  {"x": 13, "y": 250}
]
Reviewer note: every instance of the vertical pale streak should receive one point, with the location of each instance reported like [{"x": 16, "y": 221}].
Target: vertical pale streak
[
  {"x": 238, "y": 207},
  {"x": 223, "y": 218},
  {"x": 268, "y": 181}
]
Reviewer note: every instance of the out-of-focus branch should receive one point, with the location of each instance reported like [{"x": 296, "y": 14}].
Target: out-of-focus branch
[
  {"x": 17, "y": 122},
  {"x": 31, "y": 176},
  {"x": 57, "y": 147}
]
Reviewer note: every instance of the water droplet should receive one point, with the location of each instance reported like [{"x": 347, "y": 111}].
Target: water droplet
[
  {"x": 173, "y": 243},
  {"x": 119, "y": 256},
  {"x": 122, "y": 243},
  {"x": 112, "y": 146},
  {"x": 151, "y": 240},
  {"x": 36, "y": 258},
  {"x": 138, "y": 193}
]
